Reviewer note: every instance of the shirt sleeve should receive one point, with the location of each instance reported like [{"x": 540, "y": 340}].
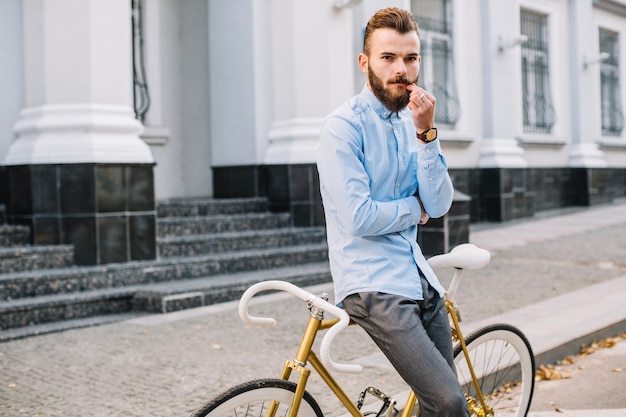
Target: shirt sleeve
[
  {"x": 345, "y": 187},
  {"x": 434, "y": 184}
]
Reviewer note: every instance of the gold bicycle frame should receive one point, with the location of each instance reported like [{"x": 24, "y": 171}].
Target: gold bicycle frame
[{"x": 305, "y": 354}]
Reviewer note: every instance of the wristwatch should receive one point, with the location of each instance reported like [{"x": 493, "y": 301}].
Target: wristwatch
[{"x": 428, "y": 135}]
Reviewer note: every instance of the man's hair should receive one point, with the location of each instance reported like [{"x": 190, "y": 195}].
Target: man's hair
[{"x": 389, "y": 18}]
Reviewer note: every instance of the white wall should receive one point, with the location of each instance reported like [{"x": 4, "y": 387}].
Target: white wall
[
  {"x": 178, "y": 122},
  {"x": 231, "y": 73},
  {"x": 11, "y": 71}
]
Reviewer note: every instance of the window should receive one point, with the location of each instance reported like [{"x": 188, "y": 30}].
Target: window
[
  {"x": 437, "y": 73},
  {"x": 612, "y": 116},
  {"x": 538, "y": 109}
]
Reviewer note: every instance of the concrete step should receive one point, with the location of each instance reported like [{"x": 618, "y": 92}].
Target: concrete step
[
  {"x": 36, "y": 258},
  {"x": 210, "y": 251},
  {"x": 61, "y": 307},
  {"x": 223, "y": 223},
  {"x": 78, "y": 279},
  {"x": 12, "y": 236},
  {"x": 180, "y": 295},
  {"x": 237, "y": 241},
  {"x": 189, "y": 207},
  {"x": 38, "y": 315}
]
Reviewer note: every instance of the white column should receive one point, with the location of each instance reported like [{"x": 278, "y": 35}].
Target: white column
[
  {"x": 313, "y": 63},
  {"x": 584, "y": 85},
  {"x": 502, "y": 86},
  {"x": 78, "y": 85}
]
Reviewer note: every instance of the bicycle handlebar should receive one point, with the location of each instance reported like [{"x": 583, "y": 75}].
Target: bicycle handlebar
[
  {"x": 304, "y": 295},
  {"x": 465, "y": 256}
]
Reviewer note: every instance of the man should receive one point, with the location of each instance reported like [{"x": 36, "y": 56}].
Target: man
[{"x": 381, "y": 174}]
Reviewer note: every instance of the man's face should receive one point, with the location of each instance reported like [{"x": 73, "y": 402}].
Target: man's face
[{"x": 392, "y": 64}]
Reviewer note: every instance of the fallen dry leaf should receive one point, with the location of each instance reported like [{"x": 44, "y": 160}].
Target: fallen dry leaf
[
  {"x": 550, "y": 373},
  {"x": 601, "y": 344},
  {"x": 568, "y": 360}
]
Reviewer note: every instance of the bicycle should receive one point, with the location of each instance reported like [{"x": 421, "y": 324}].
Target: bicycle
[{"x": 495, "y": 364}]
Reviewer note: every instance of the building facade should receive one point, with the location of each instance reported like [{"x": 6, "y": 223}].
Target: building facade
[{"x": 110, "y": 105}]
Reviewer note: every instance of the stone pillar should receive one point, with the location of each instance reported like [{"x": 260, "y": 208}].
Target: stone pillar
[
  {"x": 501, "y": 59},
  {"x": 501, "y": 158},
  {"x": 78, "y": 173},
  {"x": 312, "y": 74},
  {"x": 584, "y": 48}
]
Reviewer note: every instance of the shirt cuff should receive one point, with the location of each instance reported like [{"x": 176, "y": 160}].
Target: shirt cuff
[{"x": 415, "y": 209}]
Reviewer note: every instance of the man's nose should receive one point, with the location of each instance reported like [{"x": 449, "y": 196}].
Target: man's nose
[{"x": 400, "y": 67}]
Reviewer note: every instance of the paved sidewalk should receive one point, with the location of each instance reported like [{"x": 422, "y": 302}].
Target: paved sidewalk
[{"x": 559, "y": 279}]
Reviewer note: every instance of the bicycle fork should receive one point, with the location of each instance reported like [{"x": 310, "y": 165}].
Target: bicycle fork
[
  {"x": 305, "y": 354},
  {"x": 480, "y": 407}
]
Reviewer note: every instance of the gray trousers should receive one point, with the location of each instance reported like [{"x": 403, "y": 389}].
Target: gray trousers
[{"x": 415, "y": 336}]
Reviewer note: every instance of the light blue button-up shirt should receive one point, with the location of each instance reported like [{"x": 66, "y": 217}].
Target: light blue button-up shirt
[{"x": 370, "y": 165}]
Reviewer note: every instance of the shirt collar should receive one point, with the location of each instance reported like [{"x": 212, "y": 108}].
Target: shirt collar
[
  {"x": 377, "y": 106},
  {"x": 375, "y": 103}
]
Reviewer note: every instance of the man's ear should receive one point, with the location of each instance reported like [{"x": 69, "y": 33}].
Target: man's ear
[{"x": 363, "y": 63}]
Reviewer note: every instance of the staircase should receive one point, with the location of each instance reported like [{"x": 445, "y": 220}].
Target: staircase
[{"x": 210, "y": 251}]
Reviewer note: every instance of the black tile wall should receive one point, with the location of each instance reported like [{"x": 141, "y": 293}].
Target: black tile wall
[
  {"x": 110, "y": 188},
  {"x": 4, "y": 187},
  {"x": 46, "y": 230},
  {"x": 278, "y": 186},
  {"x": 77, "y": 189},
  {"x": 140, "y": 188},
  {"x": 88, "y": 205},
  {"x": 112, "y": 239},
  {"x": 45, "y": 187},
  {"x": 80, "y": 231},
  {"x": 444, "y": 233},
  {"x": 239, "y": 182},
  {"x": 20, "y": 200},
  {"x": 142, "y": 240}
]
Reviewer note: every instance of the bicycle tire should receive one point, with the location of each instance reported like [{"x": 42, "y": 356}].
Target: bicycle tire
[
  {"x": 504, "y": 365},
  {"x": 252, "y": 398}
]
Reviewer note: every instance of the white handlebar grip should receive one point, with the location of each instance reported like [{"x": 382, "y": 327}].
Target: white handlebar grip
[
  {"x": 344, "y": 320},
  {"x": 243, "y": 306},
  {"x": 327, "y": 341}
]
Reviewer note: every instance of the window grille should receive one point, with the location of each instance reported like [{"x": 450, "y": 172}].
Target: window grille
[
  {"x": 141, "y": 94},
  {"x": 538, "y": 109},
  {"x": 612, "y": 115},
  {"x": 437, "y": 71}
]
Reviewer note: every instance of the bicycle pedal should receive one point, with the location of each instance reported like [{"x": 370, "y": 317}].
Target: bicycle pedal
[{"x": 388, "y": 408}]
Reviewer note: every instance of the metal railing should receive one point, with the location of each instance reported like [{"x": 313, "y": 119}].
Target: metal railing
[
  {"x": 538, "y": 109},
  {"x": 141, "y": 93},
  {"x": 612, "y": 114}
]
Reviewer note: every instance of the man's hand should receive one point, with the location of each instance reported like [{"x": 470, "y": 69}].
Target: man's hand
[{"x": 422, "y": 105}]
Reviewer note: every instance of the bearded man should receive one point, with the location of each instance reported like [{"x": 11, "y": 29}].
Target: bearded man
[{"x": 381, "y": 174}]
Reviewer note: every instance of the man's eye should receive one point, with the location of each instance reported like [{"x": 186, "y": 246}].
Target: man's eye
[{"x": 412, "y": 58}]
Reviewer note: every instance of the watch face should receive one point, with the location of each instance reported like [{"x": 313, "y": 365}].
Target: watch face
[{"x": 431, "y": 134}]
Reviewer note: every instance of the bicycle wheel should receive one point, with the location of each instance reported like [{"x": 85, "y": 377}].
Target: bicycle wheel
[
  {"x": 505, "y": 368},
  {"x": 253, "y": 398}
]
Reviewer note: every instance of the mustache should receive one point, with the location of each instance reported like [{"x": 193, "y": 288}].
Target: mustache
[{"x": 402, "y": 80}]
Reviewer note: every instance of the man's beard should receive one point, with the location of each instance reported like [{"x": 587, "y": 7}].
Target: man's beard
[{"x": 394, "y": 98}]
